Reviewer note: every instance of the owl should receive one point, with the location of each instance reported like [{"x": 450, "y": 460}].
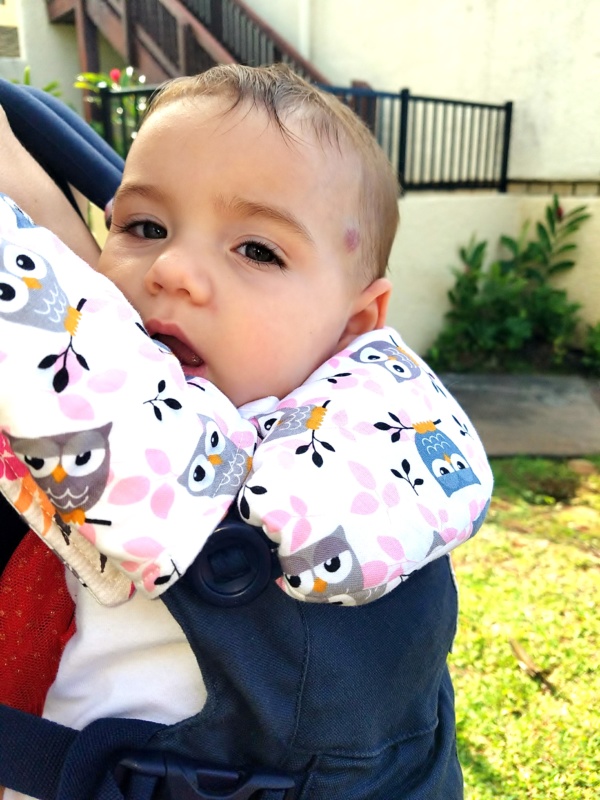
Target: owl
[
  {"x": 327, "y": 570},
  {"x": 443, "y": 458},
  {"x": 29, "y": 291},
  {"x": 217, "y": 465},
  {"x": 22, "y": 219},
  {"x": 392, "y": 358},
  {"x": 290, "y": 421},
  {"x": 71, "y": 468}
]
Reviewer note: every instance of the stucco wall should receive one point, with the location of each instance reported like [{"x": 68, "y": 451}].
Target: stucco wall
[
  {"x": 50, "y": 51},
  {"x": 543, "y": 55},
  {"x": 432, "y": 229}
]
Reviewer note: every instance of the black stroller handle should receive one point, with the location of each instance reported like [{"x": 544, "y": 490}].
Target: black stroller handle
[{"x": 69, "y": 149}]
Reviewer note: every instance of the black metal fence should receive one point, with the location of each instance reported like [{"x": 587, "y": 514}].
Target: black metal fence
[{"x": 433, "y": 143}]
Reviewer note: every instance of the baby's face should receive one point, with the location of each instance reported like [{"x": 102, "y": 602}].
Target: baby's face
[{"x": 236, "y": 245}]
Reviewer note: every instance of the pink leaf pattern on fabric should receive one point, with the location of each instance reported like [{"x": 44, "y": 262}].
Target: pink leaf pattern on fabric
[
  {"x": 276, "y": 520},
  {"x": 75, "y": 370},
  {"x": 129, "y": 566},
  {"x": 428, "y": 516},
  {"x": 373, "y": 387},
  {"x": 392, "y": 547},
  {"x": 143, "y": 547},
  {"x": 344, "y": 383},
  {"x": 129, "y": 490},
  {"x": 374, "y": 573},
  {"x": 362, "y": 475},
  {"x": 289, "y": 402},
  {"x": 364, "y": 503},
  {"x": 162, "y": 500},
  {"x": 95, "y": 304},
  {"x": 110, "y": 381},
  {"x": 177, "y": 374},
  {"x": 340, "y": 418},
  {"x": 390, "y": 495},
  {"x": 300, "y": 534},
  {"x": 365, "y": 428},
  {"x": 285, "y": 458},
  {"x": 125, "y": 312},
  {"x": 298, "y": 505},
  {"x": 2, "y": 356},
  {"x": 150, "y": 351},
  {"x": 158, "y": 461},
  {"x": 242, "y": 439},
  {"x": 396, "y": 573},
  {"x": 75, "y": 406},
  {"x": 449, "y": 534},
  {"x": 149, "y": 576}
]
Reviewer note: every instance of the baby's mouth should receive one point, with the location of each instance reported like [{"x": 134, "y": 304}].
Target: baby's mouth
[{"x": 182, "y": 352}]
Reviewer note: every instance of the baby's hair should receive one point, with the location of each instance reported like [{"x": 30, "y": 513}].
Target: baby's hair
[{"x": 283, "y": 94}]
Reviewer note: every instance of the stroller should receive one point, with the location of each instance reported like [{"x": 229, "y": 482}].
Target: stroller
[{"x": 299, "y": 705}]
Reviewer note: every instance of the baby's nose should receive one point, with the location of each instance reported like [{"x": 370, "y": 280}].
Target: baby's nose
[{"x": 179, "y": 271}]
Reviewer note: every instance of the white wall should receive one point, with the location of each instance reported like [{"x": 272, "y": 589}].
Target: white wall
[
  {"x": 50, "y": 51},
  {"x": 542, "y": 54},
  {"x": 434, "y": 226}
]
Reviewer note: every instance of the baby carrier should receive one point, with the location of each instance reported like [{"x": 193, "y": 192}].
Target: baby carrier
[{"x": 304, "y": 700}]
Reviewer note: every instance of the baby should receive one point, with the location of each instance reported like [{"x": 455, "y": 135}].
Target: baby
[{"x": 251, "y": 233}]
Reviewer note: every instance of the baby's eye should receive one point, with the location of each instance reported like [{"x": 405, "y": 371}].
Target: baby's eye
[
  {"x": 261, "y": 253},
  {"x": 144, "y": 229}
]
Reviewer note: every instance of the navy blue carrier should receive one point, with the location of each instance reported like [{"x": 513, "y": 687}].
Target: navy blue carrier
[{"x": 305, "y": 701}]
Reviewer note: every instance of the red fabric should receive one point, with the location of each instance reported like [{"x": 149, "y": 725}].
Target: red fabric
[{"x": 36, "y": 621}]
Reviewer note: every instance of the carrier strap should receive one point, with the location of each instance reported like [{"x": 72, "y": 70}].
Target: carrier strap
[
  {"x": 54, "y": 762},
  {"x": 110, "y": 760}
]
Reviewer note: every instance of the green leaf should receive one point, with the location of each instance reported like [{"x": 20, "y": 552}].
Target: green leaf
[
  {"x": 510, "y": 244},
  {"x": 565, "y": 248},
  {"x": 543, "y": 237},
  {"x": 551, "y": 218},
  {"x": 561, "y": 266}
]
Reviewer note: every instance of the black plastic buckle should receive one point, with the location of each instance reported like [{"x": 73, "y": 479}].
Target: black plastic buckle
[
  {"x": 236, "y": 564},
  {"x": 180, "y": 778}
]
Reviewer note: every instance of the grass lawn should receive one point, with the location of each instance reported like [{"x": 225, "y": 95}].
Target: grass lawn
[{"x": 528, "y": 713}]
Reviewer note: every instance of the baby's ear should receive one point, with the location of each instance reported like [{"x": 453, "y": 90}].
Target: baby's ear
[{"x": 369, "y": 311}]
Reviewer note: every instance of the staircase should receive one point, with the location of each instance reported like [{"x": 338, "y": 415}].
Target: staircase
[{"x": 167, "y": 38}]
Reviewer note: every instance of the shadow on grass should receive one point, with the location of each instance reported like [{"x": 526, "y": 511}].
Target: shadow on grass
[
  {"x": 547, "y": 499},
  {"x": 481, "y": 773}
]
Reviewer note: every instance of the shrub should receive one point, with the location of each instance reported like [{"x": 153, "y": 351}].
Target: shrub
[{"x": 508, "y": 316}]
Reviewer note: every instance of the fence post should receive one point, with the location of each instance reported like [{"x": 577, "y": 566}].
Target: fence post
[
  {"x": 505, "y": 146},
  {"x": 216, "y": 19},
  {"x": 403, "y": 137},
  {"x": 105, "y": 115}
]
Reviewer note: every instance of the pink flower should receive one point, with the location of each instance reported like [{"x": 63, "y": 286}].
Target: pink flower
[{"x": 115, "y": 75}]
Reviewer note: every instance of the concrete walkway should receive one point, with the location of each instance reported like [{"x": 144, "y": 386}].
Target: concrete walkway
[{"x": 531, "y": 415}]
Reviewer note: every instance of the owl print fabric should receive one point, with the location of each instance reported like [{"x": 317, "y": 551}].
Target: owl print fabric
[
  {"x": 363, "y": 474},
  {"x": 117, "y": 462}
]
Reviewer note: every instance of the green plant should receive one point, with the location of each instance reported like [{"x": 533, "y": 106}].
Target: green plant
[
  {"x": 530, "y": 576},
  {"x": 52, "y": 88},
  {"x": 591, "y": 350},
  {"x": 508, "y": 315},
  {"x": 125, "y": 113}
]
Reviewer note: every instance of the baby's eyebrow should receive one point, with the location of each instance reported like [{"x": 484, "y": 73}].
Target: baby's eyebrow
[
  {"x": 146, "y": 191},
  {"x": 250, "y": 208}
]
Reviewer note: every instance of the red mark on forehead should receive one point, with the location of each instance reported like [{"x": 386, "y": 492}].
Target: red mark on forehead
[{"x": 351, "y": 239}]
